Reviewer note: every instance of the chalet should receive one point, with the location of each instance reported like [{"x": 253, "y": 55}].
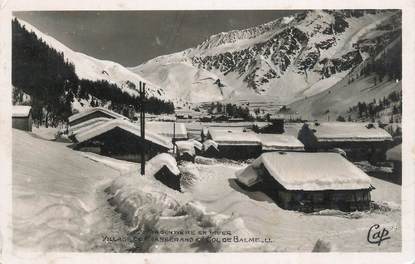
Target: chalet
[
  {"x": 280, "y": 142},
  {"x": 91, "y": 113},
  {"x": 22, "y": 117},
  {"x": 360, "y": 141},
  {"x": 235, "y": 144},
  {"x": 164, "y": 168},
  {"x": 308, "y": 181},
  {"x": 121, "y": 139}
]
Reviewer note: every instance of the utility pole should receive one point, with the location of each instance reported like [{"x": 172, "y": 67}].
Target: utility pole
[
  {"x": 174, "y": 137},
  {"x": 142, "y": 128}
]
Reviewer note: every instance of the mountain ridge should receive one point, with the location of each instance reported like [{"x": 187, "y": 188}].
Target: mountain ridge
[{"x": 278, "y": 59}]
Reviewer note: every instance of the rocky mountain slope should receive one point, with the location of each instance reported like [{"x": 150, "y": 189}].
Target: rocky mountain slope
[{"x": 287, "y": 59}]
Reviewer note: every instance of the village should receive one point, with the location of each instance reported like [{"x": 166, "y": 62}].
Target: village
[
  {"x": 214, "y": 172},
  {"x": 207, "y": 131}
]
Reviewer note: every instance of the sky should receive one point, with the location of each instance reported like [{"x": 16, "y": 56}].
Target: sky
[{"x": 133, "y": 37}]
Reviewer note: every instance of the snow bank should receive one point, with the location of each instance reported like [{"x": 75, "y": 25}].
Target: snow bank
[
  {"x": 189, "y": 175},
  {"x": 140, "y": 199},
  {"x": 58, "y": 201},
  {"x": 204, "y": 160}
]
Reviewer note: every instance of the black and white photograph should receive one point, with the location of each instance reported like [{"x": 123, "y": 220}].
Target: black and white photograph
[{"x": 207, "y": 131}]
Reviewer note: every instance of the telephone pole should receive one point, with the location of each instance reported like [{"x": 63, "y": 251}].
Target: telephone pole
[{"x": 142, "y": 128}]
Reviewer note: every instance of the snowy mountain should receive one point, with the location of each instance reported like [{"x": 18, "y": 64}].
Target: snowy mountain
[
  {"x": 287, "y": 59},
  {"x": 93, "y": 69}
]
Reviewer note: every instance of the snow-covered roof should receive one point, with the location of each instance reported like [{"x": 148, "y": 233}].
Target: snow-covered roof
[
  {"x": 99, "y": 129},
  {"x": 210, "y": 143},
  {"x": 394, "y": 153},
  {"x": 21, "y": 110},
  {"x": 85, "y": 125},
  {"x": 348, "y": 131},
  {"x": 196, "y": 144},
  {"x": 307, "y": 171},
  {"x": 159, "y": 161},
  {"x": 249, "y": 176},
  {"x": 168, "y": 129},
  {"x": 230, "y": 137},
  {"x": 280, "y": 142},
  {"x": 93, "y": 110},
  {"x": 186, "y": 146}
]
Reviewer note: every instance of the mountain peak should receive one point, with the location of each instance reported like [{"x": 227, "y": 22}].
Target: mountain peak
[{"x": 283, "y": 57}]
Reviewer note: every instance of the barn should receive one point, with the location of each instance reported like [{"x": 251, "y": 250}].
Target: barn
[
  {"x": 22, "y": 117},
  {"x": 317, "y": 181},
  {"x": 91, "y": 113},
  {"x": 360, "y": 141},
  {"x": 121, "y": 139},
  {"x": 235, "y": 144}
]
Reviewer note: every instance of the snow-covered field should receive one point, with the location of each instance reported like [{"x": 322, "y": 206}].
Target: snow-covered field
[{"x": 60, "y": 203}]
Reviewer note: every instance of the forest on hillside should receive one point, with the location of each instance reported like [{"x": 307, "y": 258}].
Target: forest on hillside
[{"x": 42, "y": 72}]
